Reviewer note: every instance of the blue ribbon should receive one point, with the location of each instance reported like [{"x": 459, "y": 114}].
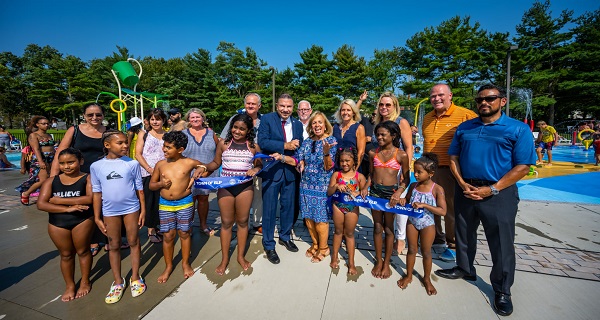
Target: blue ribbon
[
  {"x": 377, "y": 204},
  {"x": 226, "y": 182}
]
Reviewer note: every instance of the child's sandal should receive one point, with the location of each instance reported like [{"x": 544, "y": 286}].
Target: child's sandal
[
  {"x": 137, "y": 287},
  {"x": 115, "y": 293}
]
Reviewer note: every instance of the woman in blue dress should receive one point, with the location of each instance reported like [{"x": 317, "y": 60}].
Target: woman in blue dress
[
  {"x": 316, "y": 165},
  {"x": 348, "y": 131}
]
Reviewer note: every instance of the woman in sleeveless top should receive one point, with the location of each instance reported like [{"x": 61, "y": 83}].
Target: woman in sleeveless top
[
  {"x": 348, "y": 132},
  {"x": 202, "y": 144},
  {"x": 42, "y": 145},
  {"x": 87, "y": 138},
  {"x": 149, "y": 152}
]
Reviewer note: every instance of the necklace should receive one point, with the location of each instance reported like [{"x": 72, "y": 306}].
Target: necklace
[{"x": 345, "y": 128}]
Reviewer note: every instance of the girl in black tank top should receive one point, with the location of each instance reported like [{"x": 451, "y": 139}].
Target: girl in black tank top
[{"x": 68, "y": 200}]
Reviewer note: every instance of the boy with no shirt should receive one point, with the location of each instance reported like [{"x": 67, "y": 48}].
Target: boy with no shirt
[{"x": 176, "y": 206}]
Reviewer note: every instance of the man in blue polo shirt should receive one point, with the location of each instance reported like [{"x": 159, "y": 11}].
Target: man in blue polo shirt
[{"x": 488, "y": 155}]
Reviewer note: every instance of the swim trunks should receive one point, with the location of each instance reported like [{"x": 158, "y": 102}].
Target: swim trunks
[{"x": 176, "y": 214}]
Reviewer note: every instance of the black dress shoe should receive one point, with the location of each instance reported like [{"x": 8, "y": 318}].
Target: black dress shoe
[
  {"x": 503, "y": 304},
  {"x": 289, "y": 245},
  {"x": 272, "y": 256},
  {"x": 455, "y": 273}
]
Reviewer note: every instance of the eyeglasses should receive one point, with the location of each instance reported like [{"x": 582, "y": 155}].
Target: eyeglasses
[
  {"x": 385, "y": 105},
  {"x": 91, "y": 115},
  {"x": 304, "y": 110},
  {"x": 488, "y": 99}
]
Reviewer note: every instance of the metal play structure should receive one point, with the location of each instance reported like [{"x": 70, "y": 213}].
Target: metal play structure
[{"x": 126, "y": 78}]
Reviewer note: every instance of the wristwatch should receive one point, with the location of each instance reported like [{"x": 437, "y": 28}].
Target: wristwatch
[{"x": 493, "y": 190}]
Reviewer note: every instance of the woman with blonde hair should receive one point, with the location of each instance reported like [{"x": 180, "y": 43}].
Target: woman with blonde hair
[
  {"x": 202, "y": 145},
  {"x": 348, "y": 131},
  {"x": 315, "y": 162}
]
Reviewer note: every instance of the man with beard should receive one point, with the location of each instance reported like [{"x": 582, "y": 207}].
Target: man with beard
[
  {"x": 488, "y": 155},
  {"x": 177, "y": 124}
]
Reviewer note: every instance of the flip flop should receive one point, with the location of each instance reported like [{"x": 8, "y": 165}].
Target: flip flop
[{"x": 154, "y": 238}]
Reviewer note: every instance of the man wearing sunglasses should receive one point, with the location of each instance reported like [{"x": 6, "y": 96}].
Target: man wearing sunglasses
[
  {"x": 488, "y": 155},
  {"x": 439, "y": 126}
]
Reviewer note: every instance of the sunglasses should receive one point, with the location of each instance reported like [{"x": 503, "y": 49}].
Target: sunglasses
[
  {"x": 385, "y": 105},
  {"x": 91, "y": 115},
  {"x": 488, "y": 99}
]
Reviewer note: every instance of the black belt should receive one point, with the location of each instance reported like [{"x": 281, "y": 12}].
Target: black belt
[{"x": 479, "y": 182}]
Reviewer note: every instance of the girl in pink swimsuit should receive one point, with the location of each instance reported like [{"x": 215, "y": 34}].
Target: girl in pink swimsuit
[{"x": 345, "y": 216}]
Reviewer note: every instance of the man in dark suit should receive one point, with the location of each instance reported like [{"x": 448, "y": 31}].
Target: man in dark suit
[{"x": 279, "y": 133}]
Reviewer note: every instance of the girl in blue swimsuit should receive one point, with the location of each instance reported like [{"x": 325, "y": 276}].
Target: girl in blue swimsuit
[{"x": 429, "y": 196}]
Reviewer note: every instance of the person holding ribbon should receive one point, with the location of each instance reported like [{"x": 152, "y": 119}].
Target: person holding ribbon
[
  {"x": 202, "y": 145},
  {"x": 236, "y": 154},
  {"x": 429, "y": 196},
  {"x": 345, "y": 215},
  {"x": 279, "y": 133},
  {"x": 315, "y": 158},
  {"x": 172, "y": 177},
  {"x": 387, "y": 161}
]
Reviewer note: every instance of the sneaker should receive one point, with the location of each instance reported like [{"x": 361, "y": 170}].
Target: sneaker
[
  {"x": 448, "y": 255},
  {"x": 115, "y": 293},
  {"x": 137, "y": 287}
]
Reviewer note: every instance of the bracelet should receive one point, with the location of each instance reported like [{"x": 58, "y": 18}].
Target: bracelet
[{"x": 202, "y": 166}]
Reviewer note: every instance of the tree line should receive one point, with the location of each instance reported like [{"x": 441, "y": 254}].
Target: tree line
[{"x": 557, "y": 58}]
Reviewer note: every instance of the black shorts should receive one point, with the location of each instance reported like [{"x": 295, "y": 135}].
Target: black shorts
[{"x": 236, "y": 190}]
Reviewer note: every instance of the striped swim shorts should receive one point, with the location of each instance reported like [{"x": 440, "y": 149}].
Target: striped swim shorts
[{"x": 176, "y": 214}]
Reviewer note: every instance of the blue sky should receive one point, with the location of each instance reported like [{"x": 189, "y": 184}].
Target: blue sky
[{"x": 277, "y": 31}]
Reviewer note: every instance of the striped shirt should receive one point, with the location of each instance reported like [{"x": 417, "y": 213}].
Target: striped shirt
[{"x": 439, "y": 131}]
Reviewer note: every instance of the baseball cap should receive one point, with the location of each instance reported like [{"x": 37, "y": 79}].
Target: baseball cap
[{"x": 174, "y": 111}]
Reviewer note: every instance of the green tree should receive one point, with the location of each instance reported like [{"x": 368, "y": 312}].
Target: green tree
[
  {"x": 580, "y": 87},
  {"x": 314, "y": 80},
  {"x": 349, "y": 73},
  {"x": 456, "y": 52},
  {"x": 13, "y": 91},
  {"x": 542, "y": 42}
]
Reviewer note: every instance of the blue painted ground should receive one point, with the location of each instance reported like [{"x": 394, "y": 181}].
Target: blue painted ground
[{"x": 577, "y": 188}]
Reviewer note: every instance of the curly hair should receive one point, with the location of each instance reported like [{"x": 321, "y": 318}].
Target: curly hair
[
  {"x": 429, "y": 161},
  {"x": 353, "y": 153},
  {"x": 107, "y": 136},
  {"x": 177, "y": 138},
  {"x": 250, "y": 134},
  {"x": 394, "y": 130}
]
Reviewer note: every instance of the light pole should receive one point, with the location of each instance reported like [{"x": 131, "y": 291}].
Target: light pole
[
  {"x": 273, "y": 70},
  {"x": 511, "y": 48}
]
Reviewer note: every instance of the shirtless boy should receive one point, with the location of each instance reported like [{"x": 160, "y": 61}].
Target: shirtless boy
[{"x": 176, "y": 206}]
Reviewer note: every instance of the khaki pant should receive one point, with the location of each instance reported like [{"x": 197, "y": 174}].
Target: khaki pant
[{"x": 443, "y": 176}]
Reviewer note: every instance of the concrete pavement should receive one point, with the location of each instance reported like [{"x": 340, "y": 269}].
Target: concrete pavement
[{"x": 559, "y": 242}]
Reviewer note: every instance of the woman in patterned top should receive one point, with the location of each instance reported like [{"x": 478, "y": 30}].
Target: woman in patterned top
[
  {"x": 148, "y": 151},
  {"x": 315, "y": 158}
]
